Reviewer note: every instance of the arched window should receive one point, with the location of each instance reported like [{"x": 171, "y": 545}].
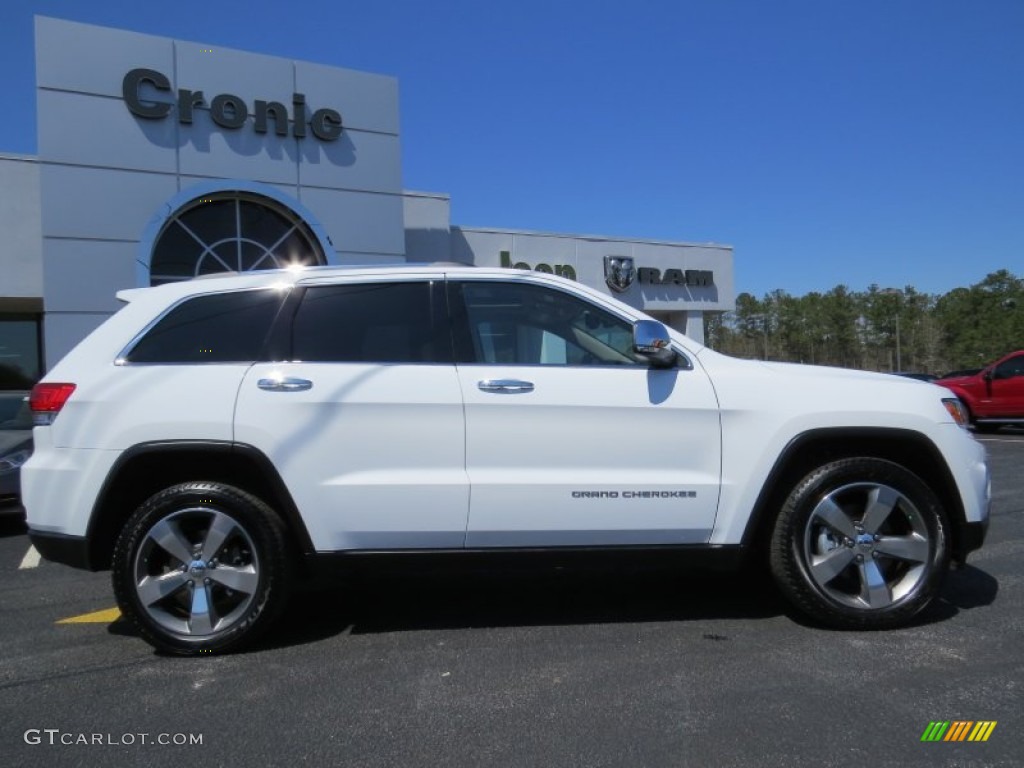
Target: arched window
[{"x": 231, "y": 232}]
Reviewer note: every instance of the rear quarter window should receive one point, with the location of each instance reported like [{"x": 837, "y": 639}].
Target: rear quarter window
[{"x": 217, "y": 328}]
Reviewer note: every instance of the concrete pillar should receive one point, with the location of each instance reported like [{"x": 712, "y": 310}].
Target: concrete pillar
[{"x": 690, "y": 322}]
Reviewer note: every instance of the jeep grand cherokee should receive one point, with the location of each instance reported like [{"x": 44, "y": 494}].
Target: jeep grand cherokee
[{"x": 217, "y": 438}]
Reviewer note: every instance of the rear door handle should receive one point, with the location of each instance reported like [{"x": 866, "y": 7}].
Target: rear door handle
[
  {"x": 508, "y": 386},
  {"x": 286, "y": 384}
]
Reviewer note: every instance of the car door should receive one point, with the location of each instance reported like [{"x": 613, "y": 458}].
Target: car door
[
  {"x": 361, "y": 412},
  {"x": 571, "y": 438},
  {"x": 1007, "y": 388}
]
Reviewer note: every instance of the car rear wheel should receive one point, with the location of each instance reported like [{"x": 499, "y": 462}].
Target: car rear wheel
[
  {"x": 860, "y": 543},
  {"x": 201, "y": 568}
]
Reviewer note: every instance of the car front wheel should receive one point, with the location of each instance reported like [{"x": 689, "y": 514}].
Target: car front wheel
[
  {"x": 860, "y": 543},
  {"x": 201, "y": 568}
]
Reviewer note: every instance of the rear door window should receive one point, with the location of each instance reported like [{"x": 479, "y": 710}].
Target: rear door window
[{"x": 387, "y": 322}]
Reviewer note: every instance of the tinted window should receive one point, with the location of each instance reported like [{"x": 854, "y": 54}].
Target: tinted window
[
  {"x": 219, "y": 328},
  {"x": 14, "y": 411},
  {"x": 19, "y": 351},
  {"x": 522, "y": 324},
  {"x": 367, "y": 323},
  {"x": 1008, "y": 369}
]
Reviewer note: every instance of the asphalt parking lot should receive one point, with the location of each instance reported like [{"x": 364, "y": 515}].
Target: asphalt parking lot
[{"x": 525, "y": 669}]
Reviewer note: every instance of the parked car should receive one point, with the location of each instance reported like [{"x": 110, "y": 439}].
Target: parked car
[
  {"x": 15, "y": 448},
  {"x": 917, "y": 375},
  {"x": 218, "y": 438},
  {"x": 994, "y": 395}
]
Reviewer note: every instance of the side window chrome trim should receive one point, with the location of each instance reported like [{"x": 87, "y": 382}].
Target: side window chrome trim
[
  {"x": 374, "y": 363},
  {"x": 684, "y": 365}
]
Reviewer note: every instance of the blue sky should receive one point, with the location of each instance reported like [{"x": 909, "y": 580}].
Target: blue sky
[{"x": 828, "y": 141}]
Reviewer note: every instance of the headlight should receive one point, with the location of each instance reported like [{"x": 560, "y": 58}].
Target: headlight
[
  {"x": 12, "y": 461},
  {"x": 957, "y": 410}
]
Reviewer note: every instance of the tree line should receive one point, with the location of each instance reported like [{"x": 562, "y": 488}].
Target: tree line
[{"x": 880, "y": 329}]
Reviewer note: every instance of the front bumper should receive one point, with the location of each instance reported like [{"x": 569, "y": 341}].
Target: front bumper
[{"x": 969, "y": 538}]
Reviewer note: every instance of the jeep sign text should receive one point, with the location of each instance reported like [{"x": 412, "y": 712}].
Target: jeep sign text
[
  {"x": 226, "y": 109},
  {"x": 563, "y": 270}
]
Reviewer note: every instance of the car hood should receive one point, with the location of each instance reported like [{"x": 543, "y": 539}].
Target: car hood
[
  {"x": 824, "y": 373},
  {"x": 813, "y": 394},
  {"x": 813, "y": 371}
]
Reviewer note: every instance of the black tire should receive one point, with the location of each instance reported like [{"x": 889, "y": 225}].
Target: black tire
[
  {"x": 986, "y": 428},
  {"x": 860, "y": 543},
  {"x": 201, "y": 568}
]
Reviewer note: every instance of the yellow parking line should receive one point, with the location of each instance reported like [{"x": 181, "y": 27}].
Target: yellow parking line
[{"x": 96, "y": 617}]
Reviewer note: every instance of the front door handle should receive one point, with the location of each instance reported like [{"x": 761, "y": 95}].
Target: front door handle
[
  {"x": 508, "y": 386},
  {"x": 286, "y": 384}
]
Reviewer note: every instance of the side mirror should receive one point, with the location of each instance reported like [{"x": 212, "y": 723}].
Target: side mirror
[{"x": 651, "y": 340}]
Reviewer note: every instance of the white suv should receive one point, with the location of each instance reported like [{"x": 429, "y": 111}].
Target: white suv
[{"x": 217, "y": 438}]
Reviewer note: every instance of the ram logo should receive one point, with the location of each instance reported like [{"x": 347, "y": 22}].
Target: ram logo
[{"x": 619, "y": 272}]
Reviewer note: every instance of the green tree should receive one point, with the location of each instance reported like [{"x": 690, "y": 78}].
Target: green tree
[
  {"x": 880, "y": 329},
  {"x": 982, "y": 322}
]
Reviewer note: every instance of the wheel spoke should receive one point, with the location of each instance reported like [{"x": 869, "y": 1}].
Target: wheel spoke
[
  {"x": 833, "y": 516},
  {"x": 220, "y": 528},
  {"x": 202, "y": 619},
  {"x": 243, "y": 580},
  {"x": 169, "y": 537},
  {"x": 881, "y": 502},
  {"x": 830, "y": 565},
  {"x": 153, "y": 589},
  {"x": 873, "y": 589},
  {"x": 913, "y": 547}
]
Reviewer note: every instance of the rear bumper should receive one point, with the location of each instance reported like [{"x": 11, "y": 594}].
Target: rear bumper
[{"x": 61, "y": 548}]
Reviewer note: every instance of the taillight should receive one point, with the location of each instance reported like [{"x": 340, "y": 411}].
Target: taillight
[{"x": 46, "y": 401}]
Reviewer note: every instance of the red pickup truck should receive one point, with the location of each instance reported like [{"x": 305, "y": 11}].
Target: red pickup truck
[{"x": 994, "y": 395}]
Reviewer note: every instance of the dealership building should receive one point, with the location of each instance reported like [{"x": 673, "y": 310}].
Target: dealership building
[{"x": 162, "y": 160}]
